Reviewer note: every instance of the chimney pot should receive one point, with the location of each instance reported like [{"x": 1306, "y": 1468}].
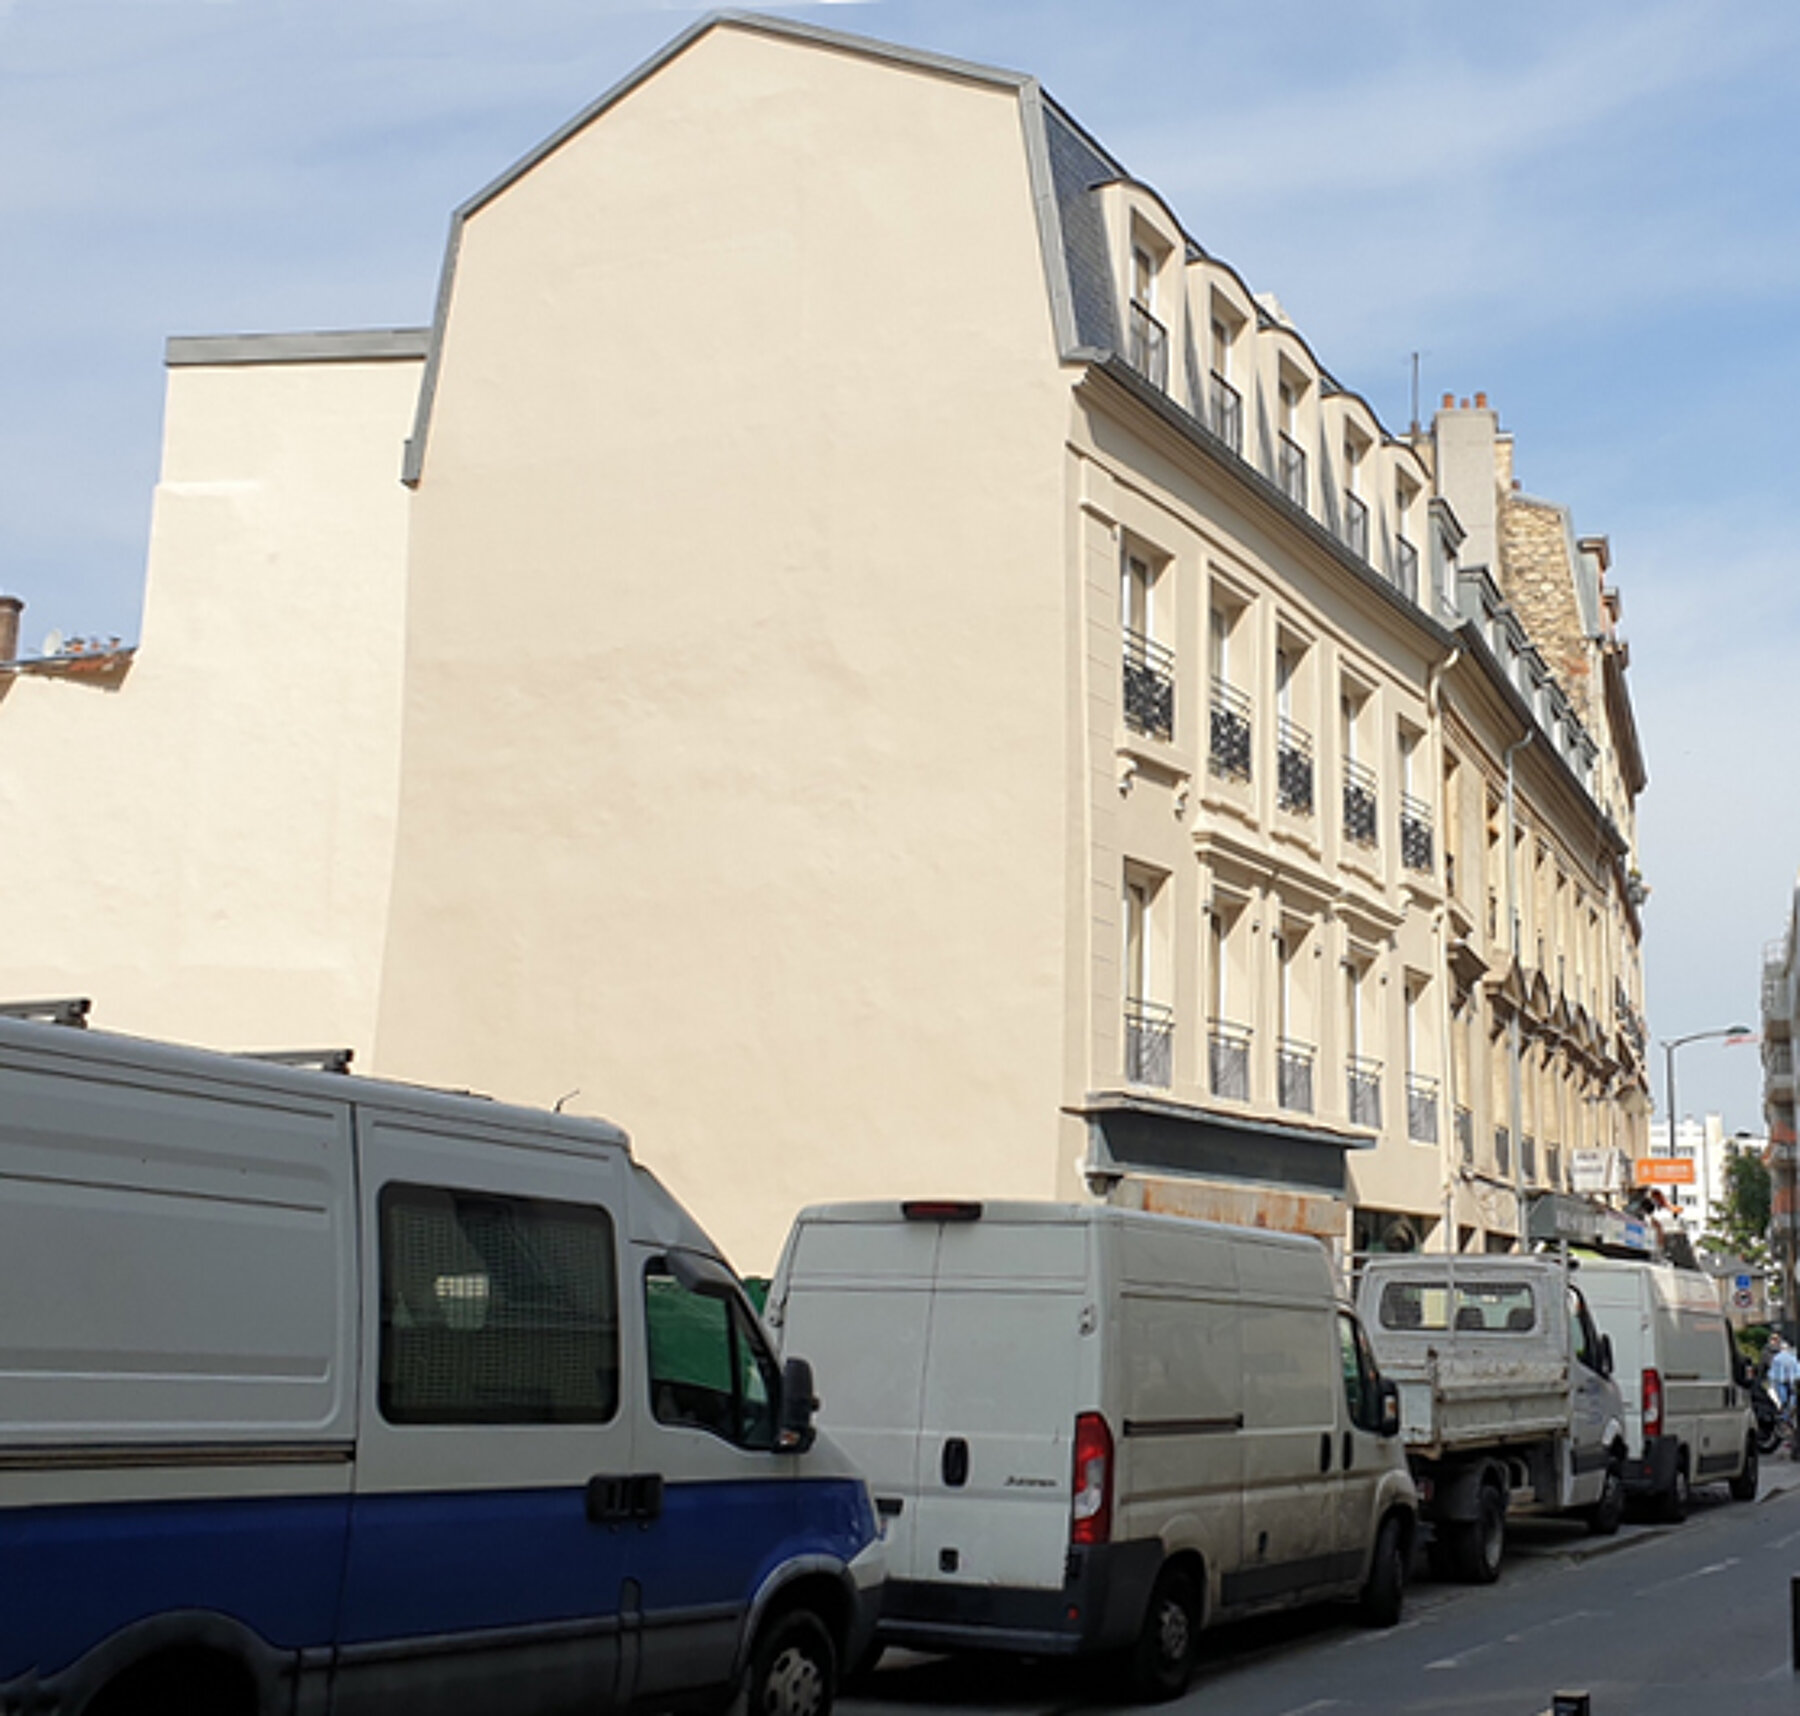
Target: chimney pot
[
  {"x": 1465, "y": 405},
  {"x": 11, "y": 607},
  {"x": 1449, "y": 400},
  {"x": 1481, "y": 402}
]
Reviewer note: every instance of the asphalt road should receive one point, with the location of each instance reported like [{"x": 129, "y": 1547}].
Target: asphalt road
[{"x": 1658, "y": 1620}]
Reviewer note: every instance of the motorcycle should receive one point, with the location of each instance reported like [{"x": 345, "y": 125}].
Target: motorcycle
[{"x": 1772, "y": 1425}]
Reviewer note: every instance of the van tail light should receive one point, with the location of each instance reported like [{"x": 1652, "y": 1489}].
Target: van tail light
[
  {"x": 1090, "y": 1515},
  {"x": 1653, "y": 1403}
]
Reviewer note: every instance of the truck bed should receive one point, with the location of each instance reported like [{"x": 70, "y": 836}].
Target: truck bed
[{"x": 1452, "y": 1400}]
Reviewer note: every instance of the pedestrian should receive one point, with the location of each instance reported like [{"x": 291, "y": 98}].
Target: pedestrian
[{"x": 1784, "y": 1371}]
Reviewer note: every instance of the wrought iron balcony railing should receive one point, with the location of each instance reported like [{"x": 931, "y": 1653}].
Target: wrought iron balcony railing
[
  {"x": 1778, "y": 1059},
  {"x": 1362, "y": 809},
  {"x": 1148, "y": 342},
  {"x": 1227, "y": 408},
  {"x": 1356, "y": 525},
  {"x": 1406, "y": 568},
  {"x": 1149, "y": 1042},
  {"x": 1363, "y": 1078},
  {"x": 1228, "y": 1052},
  {"x": 1290, "y": 468},
  {"x": 1293, "y": 768},
  {"x": 1465, "y": 1136},
  {"x": 1415, "y": 833},
  {"x": 1421, "y": 1108},
  {"x": 1294, "y": 1075},
  {"x": 1231, "y": 732},
  {"x": 1149, "y": 688},
  {"x": 1503, "y": 1150}
]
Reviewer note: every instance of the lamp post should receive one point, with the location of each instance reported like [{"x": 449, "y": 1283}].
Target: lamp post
[{"x": 1670, "y": 1045}]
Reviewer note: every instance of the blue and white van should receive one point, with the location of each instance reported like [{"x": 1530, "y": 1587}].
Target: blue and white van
[{"x": 320, "y": 1394}]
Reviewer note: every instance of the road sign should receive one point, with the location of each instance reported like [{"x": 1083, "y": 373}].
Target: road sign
[
  {"x": 1741, "y": 1283},
  {"x": 1742, "y": 1299}
]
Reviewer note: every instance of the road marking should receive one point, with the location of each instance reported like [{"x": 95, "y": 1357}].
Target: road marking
[
  {"x": 1317, "y": 1704},
  {"x": 1685, "y": 1578},
  {"x": 1783, "y": 1542},
  {"x": 1462, "y": 1658}
]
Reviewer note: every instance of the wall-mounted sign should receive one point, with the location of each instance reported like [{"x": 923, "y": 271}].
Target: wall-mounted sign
[{"x": 1663, "y": 1171}]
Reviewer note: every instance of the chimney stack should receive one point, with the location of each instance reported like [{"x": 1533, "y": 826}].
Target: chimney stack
[{"x": 11, "y": 607}]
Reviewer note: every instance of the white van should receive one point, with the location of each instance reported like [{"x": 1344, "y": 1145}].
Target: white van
[
  {"x": 325, "y": 1394},
  {"x": 1686, "y": 1420},
  {"x": 1090, "y": 1429}
]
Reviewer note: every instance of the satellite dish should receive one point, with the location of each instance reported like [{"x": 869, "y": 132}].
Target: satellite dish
[{"x": 53, "y": 643}]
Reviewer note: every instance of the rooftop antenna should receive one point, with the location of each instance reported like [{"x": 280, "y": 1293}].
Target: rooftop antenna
[{"x": 1415, "y": 393}]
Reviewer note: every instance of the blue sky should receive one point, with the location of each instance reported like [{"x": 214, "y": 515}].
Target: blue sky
[{"x": 1589, "y": 212}]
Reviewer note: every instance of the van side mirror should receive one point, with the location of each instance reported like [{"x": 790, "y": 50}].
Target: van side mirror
[
  {"x": 1606, "y": 1356},
  {"x": 1390, "y": 1408},
  {"x": 794, "y": 1432}
]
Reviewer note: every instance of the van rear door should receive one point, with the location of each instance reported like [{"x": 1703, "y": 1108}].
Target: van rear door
[
  {"x": 856, "y": 1304},
  {"x": 1003, "y": 1385}
]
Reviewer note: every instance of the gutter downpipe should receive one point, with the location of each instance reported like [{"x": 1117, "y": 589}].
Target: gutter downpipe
[
  {"x": 1434, "y": 692},
  {"x": 1517, "y": 1092}
]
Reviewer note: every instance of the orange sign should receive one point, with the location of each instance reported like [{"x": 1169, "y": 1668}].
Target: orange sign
[{"x": 1663, "y": 1171}]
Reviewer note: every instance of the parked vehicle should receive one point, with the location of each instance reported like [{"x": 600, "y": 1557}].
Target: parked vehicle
[
  {"x": 1507, "y": 1404},
  {"x": 329, "y": 1394},
  {"x": 1686, "y": 1419},
  {"x": 1773, "y": 1425},
  {"x": 1092, "y": 1430}
]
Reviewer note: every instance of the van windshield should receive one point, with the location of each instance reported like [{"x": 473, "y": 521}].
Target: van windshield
[{"x": 1482, "y": 1307}]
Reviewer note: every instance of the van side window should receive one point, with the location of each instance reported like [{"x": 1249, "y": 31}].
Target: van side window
[
  {"x": 1362, "y": 1395},
  {"x": 496, "y": 1310},
  {"x": 708, "y": 1365}
]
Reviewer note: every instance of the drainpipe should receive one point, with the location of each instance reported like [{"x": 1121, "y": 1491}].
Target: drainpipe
[
  {"x": 1434, "y": 689},
  {"x": 1517, "y": 1092}
]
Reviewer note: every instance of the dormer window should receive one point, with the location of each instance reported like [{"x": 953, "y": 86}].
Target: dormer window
[
  {"x": 1356, "y": 509},
  {"x": 1290, "y": 456},
  {"x": 1224, "y": 404},
  {"x": 1147, "y": 340},
  {"x": 1406, "y": 553}
]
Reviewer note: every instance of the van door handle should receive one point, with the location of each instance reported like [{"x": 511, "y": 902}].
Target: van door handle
[
  {"x": 627, "y": 1500},
  {"x": 956, "y": 1462},
  {"x": 1325, "y": 1451}
]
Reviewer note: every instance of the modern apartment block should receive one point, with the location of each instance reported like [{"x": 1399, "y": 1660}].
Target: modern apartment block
[
  {"x": 1780, "y": 1002},
  {"x": 878, "y": 662}
]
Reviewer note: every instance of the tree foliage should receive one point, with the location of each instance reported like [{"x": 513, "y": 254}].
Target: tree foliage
[{"x": 1740, "y": 1219}]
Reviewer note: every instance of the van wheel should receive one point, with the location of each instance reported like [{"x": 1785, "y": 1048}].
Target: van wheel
[
  {"x": 1480, "y": 1543},
  {"x": 1672, "y": 1504},
  {"x": 793, "y": 1668},
  {"x": 1162, "y": 1661},
  {"x": 1743, "y": 1486},
  {"x": 1604, "y": 1516},
  {"x": 1386, "y": 1589}
]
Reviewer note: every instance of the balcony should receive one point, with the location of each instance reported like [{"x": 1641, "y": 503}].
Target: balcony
[
  {"x": 1356, "y": 525},
  {"x": 1149, "y": 689},
  {"x": 1290, "y": 468},
  {"x": 1503, "y": 1151},
  {"x": 1465, "y": 1137},
  {"x": 1293, "y": 768},
  {"x": 1228, "y": 1054},
  {"x": 1406, "y": 568},
  {"x": 1149, "y": 1042},
  {"x": 1777, "y": 992},
  {"x": 1148, "y": 347},
  {"x": 1421, "y": 1108},
  {"x": 1415, "y": 833},
  {"x": 1294, "y": 1075},
  {"x": 1227, "y": 410},
  {"x": 1363, "y": 1078},
  {"x": 1362, "y": 809},
  {"x": 1778, "y": 1071},
  {"x": 1231, "y": 732}
]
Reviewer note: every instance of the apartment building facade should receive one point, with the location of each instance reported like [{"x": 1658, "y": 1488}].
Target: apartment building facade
[
  {"x": 1780, "y": 1004},
  {"x": 872, "y": 736}
]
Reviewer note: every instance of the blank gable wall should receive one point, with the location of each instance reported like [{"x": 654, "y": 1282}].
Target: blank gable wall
[{"x": 734, "y": 756}]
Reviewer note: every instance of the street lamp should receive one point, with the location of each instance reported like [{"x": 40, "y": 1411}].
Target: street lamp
[{"x": 1670, "y": 1045}]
